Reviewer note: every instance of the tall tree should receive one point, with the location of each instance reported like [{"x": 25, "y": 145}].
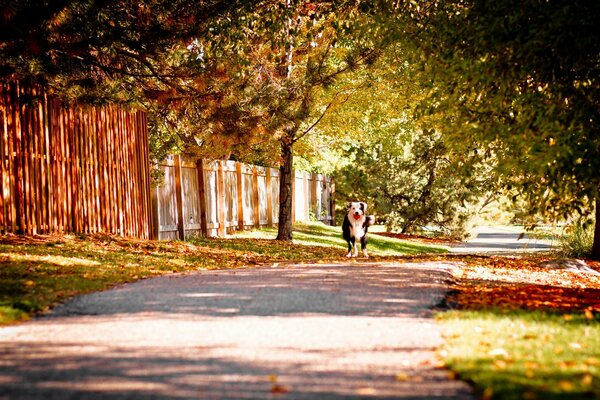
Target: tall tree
[
  {"x": 401, "y": 166},
  {"x": 304, "y": 53}
]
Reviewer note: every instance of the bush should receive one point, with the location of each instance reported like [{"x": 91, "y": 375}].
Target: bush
[{"x": 576, "y": 242}]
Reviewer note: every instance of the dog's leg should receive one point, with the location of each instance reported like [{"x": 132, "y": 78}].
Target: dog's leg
[
  {"x": 363, "y": 246},
  {"x": 353, "y": 248},
  {"x": 350, "y": 246}
]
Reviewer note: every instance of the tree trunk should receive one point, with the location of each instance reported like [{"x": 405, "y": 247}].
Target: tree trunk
[
  {"x": 596, "y": 244},
  {"x": 284, "y": 228}
]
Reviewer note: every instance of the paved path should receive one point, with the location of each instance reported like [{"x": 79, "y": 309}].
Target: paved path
[
  {"x": 299, "y": 332},
  {"x": 500, "y": 240}
]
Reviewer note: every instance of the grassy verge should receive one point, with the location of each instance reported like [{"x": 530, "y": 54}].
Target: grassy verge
[
  {"x": 525, "y": 354},
  {"x": 521, "y": 331},
  {"x": 317, "y": 234},
  {"x": 38, "y": 272}
]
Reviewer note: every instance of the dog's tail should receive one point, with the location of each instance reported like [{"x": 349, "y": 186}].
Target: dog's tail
[{"x": 370, "y": 220}]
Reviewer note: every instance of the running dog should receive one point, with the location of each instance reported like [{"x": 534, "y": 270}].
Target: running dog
[{"x": 355, "y": 227}]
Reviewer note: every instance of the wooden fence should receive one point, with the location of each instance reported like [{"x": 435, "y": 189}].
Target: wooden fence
[
  {"x": 212, "y": 198},
  {"x": 77, "y": 169}
]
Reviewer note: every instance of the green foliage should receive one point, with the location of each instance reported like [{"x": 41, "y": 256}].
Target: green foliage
[
  {"x": 402, "y": 169},
  {"x": 513, "y": 80},
  {"x": 412, "y": 185}
]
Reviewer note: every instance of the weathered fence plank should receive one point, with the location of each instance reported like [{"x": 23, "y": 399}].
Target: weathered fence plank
[{"x": 217, "y": 197}]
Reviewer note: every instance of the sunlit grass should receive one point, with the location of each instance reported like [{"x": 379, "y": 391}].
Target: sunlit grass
[
  {"x": 38, "y": 272},
  {"x": 318, "y": 234},
  {"x": 524, "y": 354}
]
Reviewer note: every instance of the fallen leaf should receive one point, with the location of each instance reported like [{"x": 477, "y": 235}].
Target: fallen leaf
[
  {"x": 488, "y": 393},
  {"x": 402, "y": 377},
  {"x": 565, "y": 385},
  {"x": 529, "y": 373},
  {"x": 587, "y": 379},
  {"x": 452, "y": 375},
  {"x": 279, "y": 389},
  {"x": 366, "y": 391}
]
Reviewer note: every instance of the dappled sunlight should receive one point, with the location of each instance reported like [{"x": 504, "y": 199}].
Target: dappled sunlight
[
  {"x": 49, "y": 259},
  {"x": 330, "y": 331}
]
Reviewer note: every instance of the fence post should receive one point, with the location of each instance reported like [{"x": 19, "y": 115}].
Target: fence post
[
  {"x": 313, "y": 196},
  {"x": 240, "y": 194},
  {"x": 221, "y": 200},
  {"x": 293, "y": 194},
  {"x": 255, "y": 197},
  {"x": 154, "y": 215},
  {"x": 269, "y": 197},
  {"x": 202, "y": 197},
  {"x": 178, "y": 197},
  {"x": 332, "y": 200}
]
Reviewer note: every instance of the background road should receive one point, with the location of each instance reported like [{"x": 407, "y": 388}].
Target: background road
[
  {"x": 501, "y": 240},
  {"x": 295, "y": 332}
]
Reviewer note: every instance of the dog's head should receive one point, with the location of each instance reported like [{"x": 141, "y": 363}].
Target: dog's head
[{"x": 357, "y": 209}]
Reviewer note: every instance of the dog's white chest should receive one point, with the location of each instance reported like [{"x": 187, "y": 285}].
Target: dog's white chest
[{"x": 356, "y": 227}]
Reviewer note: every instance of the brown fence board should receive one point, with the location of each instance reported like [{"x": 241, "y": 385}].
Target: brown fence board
[{"x": 71, "y": 169}]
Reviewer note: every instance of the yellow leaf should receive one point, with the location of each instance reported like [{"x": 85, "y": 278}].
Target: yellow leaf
[
  {"x": 587, "y": 379},
  {"x": 592, "y": 361},
  {"x": 272, "y": 378},
  {"x": 565, "y": 385},
  {"x": 402, "y": 377},
  {"x": 488, "y": 393},
  {"x": 566, "y": 364},
  {"x": 529, "y": 373},
  {"x": 589, "y": 314},
  {"x": 29, "y": 283},
  {"x": 500, "y": 364}
]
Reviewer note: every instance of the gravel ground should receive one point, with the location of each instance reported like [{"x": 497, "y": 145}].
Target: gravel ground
[{"x": 316, "y": 331}]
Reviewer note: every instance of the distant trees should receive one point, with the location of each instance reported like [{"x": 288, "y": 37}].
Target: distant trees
[
  {"x": 401, "y": 166},
  {"x": 518, "y": 81}
]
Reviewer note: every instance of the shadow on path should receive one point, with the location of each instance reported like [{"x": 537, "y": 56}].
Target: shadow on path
[{"x": 300, "y": 332}]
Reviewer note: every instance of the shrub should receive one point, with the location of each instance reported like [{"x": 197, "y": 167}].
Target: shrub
[{"x": 576, "y": 242}]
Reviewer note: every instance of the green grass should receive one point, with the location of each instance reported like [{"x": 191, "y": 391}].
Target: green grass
[
  {"x": 318, "y": 234},
  {"x": 524, "y": 354},
  {"x": 38, "y": 272}
]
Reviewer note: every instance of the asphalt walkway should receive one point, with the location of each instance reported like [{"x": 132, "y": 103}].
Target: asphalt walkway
[
  {"x": 502, "y": 240},
  {"x": 297, "y": 332}
]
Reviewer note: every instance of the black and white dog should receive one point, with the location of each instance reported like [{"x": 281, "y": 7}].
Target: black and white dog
[{"x": 355, "y": 227}]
